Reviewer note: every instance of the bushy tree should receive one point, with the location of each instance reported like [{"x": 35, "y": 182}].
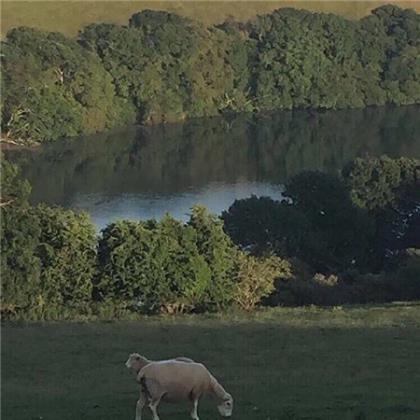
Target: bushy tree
[
  {"x": 374, "y": 182},
  {"x": 219, "y": 252},
  {"x": 20, "y": 268},
  {"x": 14, "y": 191},
  {"x": 344, "y": 233},
  {"x": 307, "y": 60},
  {"x": 252, "y": 223},
  {"x": 54, "y": 88},
  {"x": 389, "y": 189},
  {"x": 167, "y": 266},
  {"x": 48, "y": 254},
  {"x": 171, "y": 67},
  {"x": 392, "y": 35},
  {"x": 317, "y": 222},
  {"x": 67, "y": 252},
  {"x": 256, "y": 278}
]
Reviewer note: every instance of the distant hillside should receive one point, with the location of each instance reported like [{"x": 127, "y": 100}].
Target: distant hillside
[{"x": 69, "y": 17}]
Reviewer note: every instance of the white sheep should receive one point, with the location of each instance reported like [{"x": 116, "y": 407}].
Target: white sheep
[{"x": 176, "y": 380}]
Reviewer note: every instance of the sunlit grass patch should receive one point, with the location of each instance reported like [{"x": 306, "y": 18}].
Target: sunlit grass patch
[{"x": 69, "y": 17}]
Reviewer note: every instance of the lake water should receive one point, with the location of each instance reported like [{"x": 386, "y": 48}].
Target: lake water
[{"x": 141, "y": 173}]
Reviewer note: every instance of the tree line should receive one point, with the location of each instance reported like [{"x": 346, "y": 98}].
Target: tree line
[
  {"x": 332, "y": 239},
  {"x": 163, "y": 68}
]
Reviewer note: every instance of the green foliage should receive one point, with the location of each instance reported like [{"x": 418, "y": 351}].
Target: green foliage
[
  {"x": 13, "y": 189},
  {"x": 48, "y": 254},
  {"x": 67, "y": 251},
  {"x": 390, "y": 190},
  {"x": 256, "y": 279},
  {"x": 399, "y": 284},
  {"x": 392, "y": 35},
  {"x": 48, "y": 260},
  {"x": 171, "y": 67},
  {"x": 20, "y": 265},
  {"x": 252, "y": 223},
  {"x": 219, "y": 253},
  {"x": 54, "y": 88},
  {"x": 333, "y": 242},
  {"x": 342, "y": 234},
  {"x": 53, "y": 266},
  {"x": 45, "y": 114},
  {"x": 20, "y": 230},
  {"x": 317, "y": 222},
  {"x": 374, "y": 182},
  {"x": 163, "y": 68},
  {"x": 306, "y": 60},
  {"x": 153, "y": 265},
  {"x": 167, "y": 266}
]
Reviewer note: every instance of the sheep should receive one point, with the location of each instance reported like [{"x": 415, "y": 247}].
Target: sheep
[
  {"x": 176, "y": 380},
  {"x": 136, "y": 362}
]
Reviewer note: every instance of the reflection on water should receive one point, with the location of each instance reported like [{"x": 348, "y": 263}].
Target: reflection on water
[
  {"x": 106, "y": 208},
  {"x": 145, "y": 172}
]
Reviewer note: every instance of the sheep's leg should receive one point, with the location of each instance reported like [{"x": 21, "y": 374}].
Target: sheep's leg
[
  {"x": 140, "y": 404},
  {"x": 139, "y": 409},
  {"x": 194, "y": 414},
  {"x": 153, "y": 406}
]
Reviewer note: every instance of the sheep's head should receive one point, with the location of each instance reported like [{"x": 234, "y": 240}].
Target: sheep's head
[
  {"x": 226, "y": 406},
  {"x": 135, "y": 362}
]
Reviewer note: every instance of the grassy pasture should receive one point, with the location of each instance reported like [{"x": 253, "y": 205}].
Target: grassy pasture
[
  {"x": 304, "y": 363},
  {"x": 70, "y": 16}
]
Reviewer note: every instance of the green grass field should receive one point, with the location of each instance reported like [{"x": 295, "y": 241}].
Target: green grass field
[
  {"x": 307, "y": 363},
  {"x": 70, "y": 16}
]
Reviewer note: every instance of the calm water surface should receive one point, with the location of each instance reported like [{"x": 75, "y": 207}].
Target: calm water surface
[{"x": 141, "y": 173}]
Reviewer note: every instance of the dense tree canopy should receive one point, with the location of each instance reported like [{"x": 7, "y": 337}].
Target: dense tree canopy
[
  {"x": 316, "y": 222},
  {"x": 48, "y": 253},
  {"x": 315, "y": 246},
  {"x": 362, "y": 220},
  {"x": 167, "y": 265},
  {"x": 170, "y": 67},
  {"x": 377, "y": 182},
  {"x": 53, "y": 88},
  {"x": 163, "y": 67}
]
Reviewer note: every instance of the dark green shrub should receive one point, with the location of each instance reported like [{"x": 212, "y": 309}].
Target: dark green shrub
[
  {"x": 48, "y": 254},
  {"x": 48, "y": 260},
  {"x": 375, "y": 183},
  {"x": 317, "y": 223},
  {"x": 252, "y": 223},
  {"x": 20, "y": 230},
  {"x": 343, "y": 235},
  {"x": 67, "y": 252},
  {"x": 352, "y": 287},
  {"x": 164, "y": 266},
  {"x": 219, "y": 253},
  {"x": 20, "y": 265}
]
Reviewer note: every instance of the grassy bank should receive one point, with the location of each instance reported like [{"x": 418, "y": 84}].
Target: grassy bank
[
  {"x": 69, "y": 17},
  {"x": 342, "y": 363}
]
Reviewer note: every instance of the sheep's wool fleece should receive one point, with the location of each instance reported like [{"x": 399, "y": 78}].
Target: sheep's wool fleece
[{"x": 176, "y": 380}]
